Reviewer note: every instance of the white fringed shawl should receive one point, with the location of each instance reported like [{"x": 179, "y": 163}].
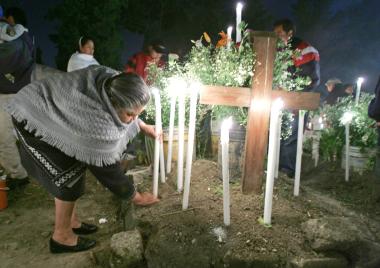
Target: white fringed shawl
[{"x": 72, "y": 112}]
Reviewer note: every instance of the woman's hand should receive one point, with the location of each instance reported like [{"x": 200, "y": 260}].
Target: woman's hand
[
  {"x": 150, "y": 131},
  {"x": 144, "y": 199}
]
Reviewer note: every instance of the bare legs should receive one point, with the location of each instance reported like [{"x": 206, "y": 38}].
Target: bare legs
[
  {"x": 75, "y": 223},
  {"x": 64, "y": 239},
  {"x": 64, "y": 217}
]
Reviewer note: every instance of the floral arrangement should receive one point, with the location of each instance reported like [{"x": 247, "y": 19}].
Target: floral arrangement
[
  {"x": 362, "y": 130},
  {"x": 225, "y": 64}
]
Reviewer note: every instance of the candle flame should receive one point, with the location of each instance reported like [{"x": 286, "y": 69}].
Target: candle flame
[
  {"x": 239, "y": 6},
  {"x": 278, "y": 104},
  {"x": 155, "y": 91},
  {"x": 195, "y": 87},
  {"x": 227, "y": 123},
  {"x": 360, "y": 81},
  {"x": 176, "y": 86},
  {"x": 225, "y": 129}
]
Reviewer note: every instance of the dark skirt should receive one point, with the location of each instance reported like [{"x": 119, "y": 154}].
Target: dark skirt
[{"x": 61, "y": 175}]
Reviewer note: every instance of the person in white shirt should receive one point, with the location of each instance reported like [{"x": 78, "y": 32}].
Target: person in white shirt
[
  {"x": 9, "y": 30},
  {"x": 9, "y": 33},
  {"x": 84, "y": 57}
]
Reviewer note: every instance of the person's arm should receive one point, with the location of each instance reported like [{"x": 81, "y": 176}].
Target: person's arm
[
  {"x": 113, "y": 178},
  {"x": 148, "y": 130},
  {"x": 311, "y": 70}
]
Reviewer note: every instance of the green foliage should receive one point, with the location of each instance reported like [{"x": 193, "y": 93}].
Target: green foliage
[
  {"x": 283, "y": 78},
  {"x": 225, "y": 65},
  {"x": 362, "y": 132},
  {"x": 286, "y": 124},
  {"x": 101, "y": 21}
]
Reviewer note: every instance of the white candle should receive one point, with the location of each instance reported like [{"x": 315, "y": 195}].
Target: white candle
[
  {"x": 162, "y": 161},
  {"x": 157, "y": 146},
  {"x": 271, "y": 162},
  {"x": 346, "y": 120},
  {"x": 315, "y": 148},
  {"x": 229, "y": 36},
  {"x": 224, "y": 141},
  {"x": 301, "y": 119},
  {"x": 239, "y": 8},
  {"x": 173, "y": 100},
  {"x": 278, "y": 147},
  {"x": 181, "y": 133},
  {"x": 359, "y": 83},
  {"x": 347, "y": 173},
  {"x": 194, "y": 89},
  {"x": 175, "y": 85}
]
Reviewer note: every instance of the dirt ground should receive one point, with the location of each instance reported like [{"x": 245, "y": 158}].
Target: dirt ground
[{"x": 196, "y": 237}]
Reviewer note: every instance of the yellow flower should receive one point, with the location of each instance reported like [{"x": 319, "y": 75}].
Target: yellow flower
[{"x": 207, "y": 37}]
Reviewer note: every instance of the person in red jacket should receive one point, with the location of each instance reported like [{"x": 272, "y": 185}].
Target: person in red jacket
[
  {"x": 139, "y": 63},
  {"x": 306, "y": 60}
]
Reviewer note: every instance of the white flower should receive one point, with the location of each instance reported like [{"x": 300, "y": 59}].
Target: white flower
[{"x": 346, "y": 118}]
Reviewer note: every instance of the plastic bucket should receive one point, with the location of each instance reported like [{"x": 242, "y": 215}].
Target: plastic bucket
[
  {"x": 149, "y": 145},
  {"x": 3, "y": 194},
  {"x": 236, "y": 149},
  {"x": 358, "y": 158}
]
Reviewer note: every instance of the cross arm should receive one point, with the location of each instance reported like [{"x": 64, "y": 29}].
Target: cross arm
[{"x": 240, "y": 96}]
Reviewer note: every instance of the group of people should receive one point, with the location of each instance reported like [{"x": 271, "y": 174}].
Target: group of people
[
  {"x": 84, "y": 118},
  {"x": 138, "y": 63}
]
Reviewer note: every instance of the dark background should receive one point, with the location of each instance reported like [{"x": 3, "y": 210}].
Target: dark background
[{"x": 346, "y": 32}]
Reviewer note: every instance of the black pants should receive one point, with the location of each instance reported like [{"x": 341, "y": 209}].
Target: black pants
[{"x": 288, "y": 147}]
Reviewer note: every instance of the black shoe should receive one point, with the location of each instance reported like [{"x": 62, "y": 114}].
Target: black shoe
[
  {"x": 82, "y": 245},
  {"x": 17, "y": 183},
  {"x": 85, "y": 228},
  {"x": 290, "y": 175},
  {"x": 288, "y": 172}
]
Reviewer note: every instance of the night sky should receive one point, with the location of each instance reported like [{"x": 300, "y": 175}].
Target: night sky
[{"x": 40, "y": 28}]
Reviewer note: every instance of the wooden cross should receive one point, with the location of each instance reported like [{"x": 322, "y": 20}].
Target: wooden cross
[{"x": 258, "y": 99}]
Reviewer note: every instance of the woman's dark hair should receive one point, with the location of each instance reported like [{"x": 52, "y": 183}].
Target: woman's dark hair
[
  {"x": 18, "y": 15},
  {"x": 287, "y": 25},
  {"x": 83, "y": 40},
  {"x": 127, "y": 91}
]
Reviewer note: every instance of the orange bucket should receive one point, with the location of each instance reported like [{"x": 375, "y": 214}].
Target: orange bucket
[{"x": 3, "y": 194}]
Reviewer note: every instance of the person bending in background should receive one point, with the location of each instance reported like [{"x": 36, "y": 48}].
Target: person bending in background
[
  {"x": 84, "y": 57},
  {"x": 140, "y": 62},
  {"x": 337, "y": 90},
  {"x": 70, "y": 122},
  {"x": 306, "y": 59},
  {"x": 16, "y": 66}
]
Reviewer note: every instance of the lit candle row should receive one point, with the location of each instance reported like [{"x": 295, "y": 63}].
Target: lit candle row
[
  {"x": 194, "y": 89},
  {"x": 177, "y": 90},
  {"x": 158, "y": 146}
]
